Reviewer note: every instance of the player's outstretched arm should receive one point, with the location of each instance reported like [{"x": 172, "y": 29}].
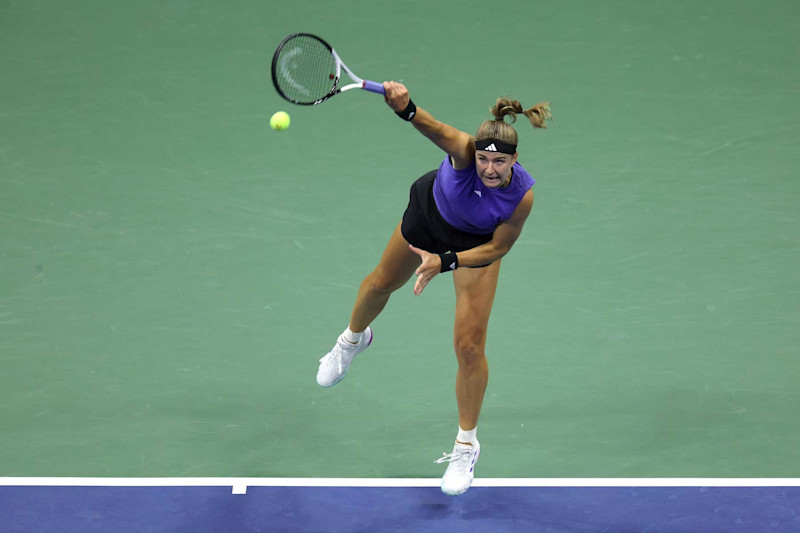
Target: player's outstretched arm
[{"x": 456, "y": 143}]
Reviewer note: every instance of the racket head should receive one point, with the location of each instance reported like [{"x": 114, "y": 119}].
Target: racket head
[{"x": 305, "y": 69}]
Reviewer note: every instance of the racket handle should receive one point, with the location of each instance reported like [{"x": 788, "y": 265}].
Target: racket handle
[{"x": 373, "y": 87}]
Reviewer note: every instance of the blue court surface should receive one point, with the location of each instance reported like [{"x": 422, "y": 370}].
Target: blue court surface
[{"x": 179, "y": 506}]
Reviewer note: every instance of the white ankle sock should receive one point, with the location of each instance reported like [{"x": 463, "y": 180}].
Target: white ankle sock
[
  {"x": 352, "y": 337},
  {"x": 467, "y": 436}
]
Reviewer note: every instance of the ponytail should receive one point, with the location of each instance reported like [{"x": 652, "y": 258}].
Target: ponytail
[
  {"x": 500, "y": 130},
  {"x": 538, "y": 114}
]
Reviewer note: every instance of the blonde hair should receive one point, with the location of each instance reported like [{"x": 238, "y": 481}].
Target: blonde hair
[{"x": 503, "y": 131}]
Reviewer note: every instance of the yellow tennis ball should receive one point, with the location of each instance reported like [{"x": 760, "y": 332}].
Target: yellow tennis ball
[{"x": 279, "y": 121}]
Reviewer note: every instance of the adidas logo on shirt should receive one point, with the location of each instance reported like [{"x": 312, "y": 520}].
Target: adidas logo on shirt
[
  {"x": 478, "y": 193},
  {"x": 491, "y": 148}
]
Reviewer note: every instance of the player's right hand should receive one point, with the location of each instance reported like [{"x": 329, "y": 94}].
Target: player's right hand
[{"x": 396, "y": 95}]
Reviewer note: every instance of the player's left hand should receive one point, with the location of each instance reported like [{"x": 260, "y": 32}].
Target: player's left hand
[{"x": 431, "y": 265}]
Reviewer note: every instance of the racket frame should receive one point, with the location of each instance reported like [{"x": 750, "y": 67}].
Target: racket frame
[{"x": 359, "y": 83}]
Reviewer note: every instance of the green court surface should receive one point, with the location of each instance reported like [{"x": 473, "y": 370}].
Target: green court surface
[{"x": 171, "y": 269}]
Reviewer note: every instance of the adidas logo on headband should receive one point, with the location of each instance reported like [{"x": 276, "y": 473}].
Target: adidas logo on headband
[{"x": 493, "y": 145}]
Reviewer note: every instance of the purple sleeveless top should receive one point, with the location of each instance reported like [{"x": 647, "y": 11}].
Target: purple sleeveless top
[{"x": 469, "y": 205}]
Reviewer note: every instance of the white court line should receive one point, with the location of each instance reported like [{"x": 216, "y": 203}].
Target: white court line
[{"x": 239, "y": 485}]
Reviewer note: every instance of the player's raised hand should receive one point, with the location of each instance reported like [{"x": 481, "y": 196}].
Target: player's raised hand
[{"x": 396, "y": 95}]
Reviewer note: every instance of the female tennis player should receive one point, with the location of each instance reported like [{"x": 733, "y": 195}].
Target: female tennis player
[{"x": 462, "y": 218}]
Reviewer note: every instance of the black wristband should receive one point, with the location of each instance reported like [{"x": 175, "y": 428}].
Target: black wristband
[
  {"x": 407, "y": 113},
  {"x": 449, "y": 262}
]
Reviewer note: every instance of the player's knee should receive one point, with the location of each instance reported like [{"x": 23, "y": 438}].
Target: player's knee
[
  {"x": 469, "y": 353},
  {"x": 379, "y": 283}
]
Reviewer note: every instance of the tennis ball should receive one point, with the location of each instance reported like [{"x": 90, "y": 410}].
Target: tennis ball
[{"x": 279, "y": 121}]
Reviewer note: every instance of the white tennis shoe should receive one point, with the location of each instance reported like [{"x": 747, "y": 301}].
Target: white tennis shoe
[
  {"x": 461, "y": 470},
  {"x": 333, "y": 367}
]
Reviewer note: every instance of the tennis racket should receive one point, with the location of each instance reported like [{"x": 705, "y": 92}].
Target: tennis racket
[{"x": 306, "y": 71}]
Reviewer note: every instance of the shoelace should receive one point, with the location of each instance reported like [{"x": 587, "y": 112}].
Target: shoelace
[
  {"x": 454, "y": 456},
  {"x": 336, "y": 354}
]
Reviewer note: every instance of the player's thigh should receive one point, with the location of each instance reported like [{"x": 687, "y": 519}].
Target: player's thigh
[
  {"x": 475, "y": 290},
  {"x": 397, "y": 263}
]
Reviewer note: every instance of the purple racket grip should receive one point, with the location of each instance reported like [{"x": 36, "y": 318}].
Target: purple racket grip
[{"x": 373, "y": 87}]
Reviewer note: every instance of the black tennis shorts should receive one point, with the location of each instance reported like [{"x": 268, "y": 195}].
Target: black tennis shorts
[{"x": 424, "y": 227}]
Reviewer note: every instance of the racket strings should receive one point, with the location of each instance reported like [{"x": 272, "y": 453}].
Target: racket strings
[{"x": 305, "y": 70}]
